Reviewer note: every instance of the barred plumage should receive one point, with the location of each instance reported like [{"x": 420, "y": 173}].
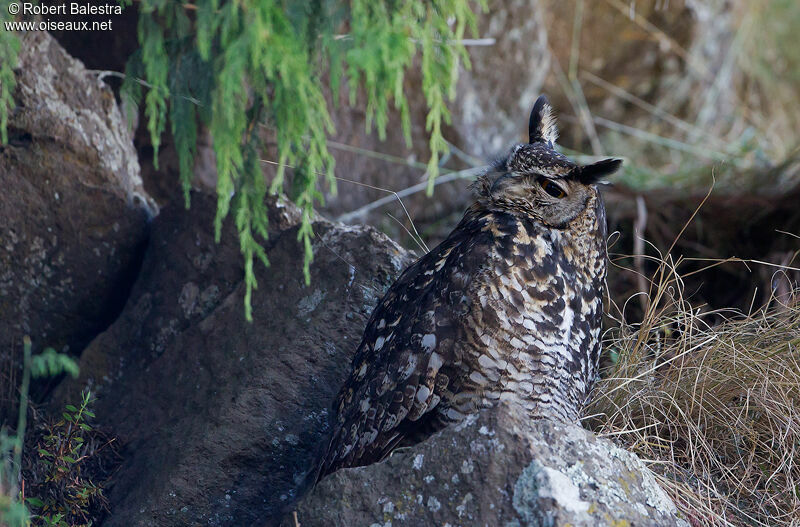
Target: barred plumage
[{"x": 508, "y": 307}]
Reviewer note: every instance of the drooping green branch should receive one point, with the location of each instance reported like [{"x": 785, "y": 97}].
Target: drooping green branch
[
  {"x": 249, "y": 62},
  {"x": 9, "y": 47},
  {"x": 233, "y": 65}
]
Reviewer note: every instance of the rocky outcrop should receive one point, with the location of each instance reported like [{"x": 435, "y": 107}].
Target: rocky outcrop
[
  {"x": 496, "y": 468},
  {"x": 221, "y": 418},
  {"x": 72, "y": 206}
]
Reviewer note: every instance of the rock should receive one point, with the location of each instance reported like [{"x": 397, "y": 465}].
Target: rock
[
  {"x": 74, "y": 214},
  {"x": 221, "y": 418},
  {"x": 489, "y": 116},
  {"x": 497, "y": 469}
]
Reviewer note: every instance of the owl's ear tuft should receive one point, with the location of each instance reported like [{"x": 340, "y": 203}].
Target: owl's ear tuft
[
  {"x": 589, "y": 174},
  {"x": 542, "y": 124}
]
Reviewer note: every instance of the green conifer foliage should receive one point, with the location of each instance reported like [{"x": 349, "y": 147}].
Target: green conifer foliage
[
  {"x": 9, "y": 47},
  {"x": 235, "y": 66}
]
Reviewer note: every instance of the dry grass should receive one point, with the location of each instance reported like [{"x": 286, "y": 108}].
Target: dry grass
[
  {"x": 711, "y": 401},
  {"x": 713, "y": 409}
]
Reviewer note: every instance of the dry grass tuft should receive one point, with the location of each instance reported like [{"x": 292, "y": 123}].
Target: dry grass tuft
[{"x": 713, "y": 409}]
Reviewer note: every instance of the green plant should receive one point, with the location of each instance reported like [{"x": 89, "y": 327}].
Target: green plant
[
  {"x": 65, "y": 494},
  {"x": 9, "y": 47},
  {"x": 237, "y": 65},
  {"x": 240, "y": 67},
  {"x": 12, "y": 510}
]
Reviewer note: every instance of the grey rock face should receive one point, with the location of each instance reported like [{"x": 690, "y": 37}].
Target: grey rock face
[
  {"x": 506, "y": 77},
  {"x": 496, "y": 469},
  {"x": 220, "y": 418},
  {"x": 73, "y": 212}
]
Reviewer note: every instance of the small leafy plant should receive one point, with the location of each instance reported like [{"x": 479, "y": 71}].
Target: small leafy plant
[
  {"x": 13, "y": 512},
  {"x": 65, "y": 496}
]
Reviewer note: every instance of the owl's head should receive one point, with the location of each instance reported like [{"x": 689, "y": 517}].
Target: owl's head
[{"x": 536, "y": 181}]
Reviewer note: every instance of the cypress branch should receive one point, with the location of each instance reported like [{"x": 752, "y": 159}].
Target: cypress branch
[{"x": 231, "y": 66}]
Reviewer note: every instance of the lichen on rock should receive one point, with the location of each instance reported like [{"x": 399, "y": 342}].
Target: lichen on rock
[
  {"x": 497, "y": 468},
  {"x": 75, "y": 216}
]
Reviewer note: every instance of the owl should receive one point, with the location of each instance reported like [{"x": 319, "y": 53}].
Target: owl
[{"x": 508, "y": 307}]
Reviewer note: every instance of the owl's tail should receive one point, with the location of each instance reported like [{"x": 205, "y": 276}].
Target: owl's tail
[
  {"x": 318, "y": 470},
  {"x": 325, "y": 465}
]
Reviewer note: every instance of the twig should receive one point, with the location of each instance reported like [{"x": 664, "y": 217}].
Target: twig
[
  {"x": 691, "y": 218},
  {"x": 389, "y": 158},
  {"x": 648, "y": 26},
  {"x": 464, "y": 41},
  {"x": 646, "y": 106},
  {"x": 694, "y": 64},
  {"x": 418, "y": 239},
  {"x": 461, "y": 174},
  {"x": 579, "y": 106},
  {"x": 741, "y": 260},
  {"x": 396, "y": 195},
  {"x": 102, "y": 74},
  {"x": 489, "y": 41},
  {"x": 788, "y": 233},
  {"x": 575, "y": 46},
  {"x": 472, "y": 160},
  {"x": 665, "y": 141},
  {"x": 342, "y": 258},
  {"x": 639, "y": 228}
]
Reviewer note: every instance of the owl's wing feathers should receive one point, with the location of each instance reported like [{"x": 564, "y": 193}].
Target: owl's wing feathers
[{"x": 396, "y": 377}]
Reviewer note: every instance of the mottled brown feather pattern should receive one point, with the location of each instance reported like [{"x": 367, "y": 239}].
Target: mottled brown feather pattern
[{"x": 508, "y": 307}]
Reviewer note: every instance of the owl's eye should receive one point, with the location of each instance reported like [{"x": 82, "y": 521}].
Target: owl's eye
[{"x": 551, "y": 188}]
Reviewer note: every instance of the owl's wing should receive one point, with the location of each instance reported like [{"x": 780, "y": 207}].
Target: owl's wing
[{"x": 413, "y": 332}]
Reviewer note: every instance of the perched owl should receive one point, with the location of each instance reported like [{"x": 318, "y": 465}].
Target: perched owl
[{"x": 508, "y": 307}]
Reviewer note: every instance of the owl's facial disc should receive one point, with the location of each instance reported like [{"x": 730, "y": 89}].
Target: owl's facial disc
[
  {"x": 553, "y": 202},
  {"x": 537, "y": 181}
]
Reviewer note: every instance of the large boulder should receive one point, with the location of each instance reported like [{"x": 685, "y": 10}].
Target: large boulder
[
  {"x": 74, "y": 214},
  {"x": 496, "y": 468},
  {"x": 221, "y": 418}
]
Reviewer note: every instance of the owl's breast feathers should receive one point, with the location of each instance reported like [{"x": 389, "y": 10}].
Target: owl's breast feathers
[{"x": 500, "y": 310}]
